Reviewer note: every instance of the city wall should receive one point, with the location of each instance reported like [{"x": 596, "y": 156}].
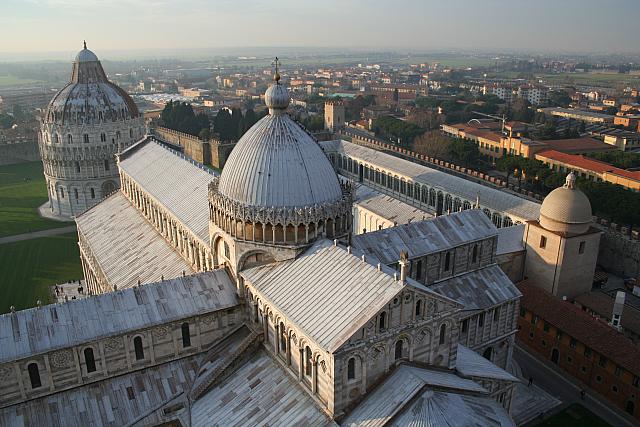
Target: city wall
[
  {"x": 19, "y": 152},
  {"x": 620, "y": 251},
  {"x": 213, "y": 151}
]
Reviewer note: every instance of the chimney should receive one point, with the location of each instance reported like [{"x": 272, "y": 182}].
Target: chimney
[
  {"x": 618, "y": 305},
  {"x": 404, "y": 265}
]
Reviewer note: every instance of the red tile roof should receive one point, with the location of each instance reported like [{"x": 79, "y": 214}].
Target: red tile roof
[
  {"x": 587, "y": 163},
  {"x": 580, "y": 325},
  {"x": 578, "y": 145}
]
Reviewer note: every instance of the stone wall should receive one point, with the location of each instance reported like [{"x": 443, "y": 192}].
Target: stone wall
[
  {"x": 213, "y": 152},
  {"x": 19, "y": 152},
  {"x": 619, "y": 253},
  {"x": 65, "y": 368}
]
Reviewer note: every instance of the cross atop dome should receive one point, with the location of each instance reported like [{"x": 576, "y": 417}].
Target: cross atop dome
[
  {"x": 85, "y": 43},
  {"x": 276, "y": 76}
]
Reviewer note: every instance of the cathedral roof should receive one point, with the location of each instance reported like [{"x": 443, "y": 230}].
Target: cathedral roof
[
  {"x": 276, "y": 163},
  {"x": 114, "y": 231},
  {"x": 90, "y": 97},
  {"x": 38, "y": 330},
  {"x": 179, "y": 184},
  {"x": 425, "y": 237},
  {"x": 413, "y": 396},
  {"x": 328, "y": 292}
]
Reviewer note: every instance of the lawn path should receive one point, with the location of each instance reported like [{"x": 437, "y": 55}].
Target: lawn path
[{"x": 37, "y": 234}]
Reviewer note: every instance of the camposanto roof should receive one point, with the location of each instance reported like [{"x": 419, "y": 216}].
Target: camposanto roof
[
  {"x": 388, "y": 207},
  {"x": 126, "y": 247},
  {"x": 346, "y": 291},
  {"x": 425, "y": 237},
  {"x": 177, "y": 183},
  {"x": 491, "y": 198},
  {"x": 33, "y": 331}
]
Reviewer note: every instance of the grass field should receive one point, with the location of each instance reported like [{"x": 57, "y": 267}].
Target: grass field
[
  {"x": 27, "y": 268},
  {"x": 22, "y": 190},
  {"x": 8, "y": 81},
  {"x": 574, "y": 415}
]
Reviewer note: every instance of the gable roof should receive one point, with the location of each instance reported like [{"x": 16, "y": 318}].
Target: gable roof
[
  {"x": 329, "y": 293},
  {"x": 471, "y": 364},
  {"x": 425, "y": 237},
  {"x": 179, "y": 184},
  {"x": 37, "y": 330},
  {"x": 491, "y": 198},
  {"x": 126, "y": 247},
  {"x": 479, "y": 289}
]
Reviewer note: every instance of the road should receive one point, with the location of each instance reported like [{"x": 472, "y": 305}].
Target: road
[
  {"x": 566, "y": 389},
  {"x": 37, "y": 234}
]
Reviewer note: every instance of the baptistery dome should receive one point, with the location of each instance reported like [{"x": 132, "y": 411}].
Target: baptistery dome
[
  {"x": 278, "y": 186},
  {"x": 566, "y": 209},
  {"x": 86, "y": 123}
]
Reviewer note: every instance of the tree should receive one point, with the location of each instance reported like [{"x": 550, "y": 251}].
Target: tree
[
  {"x": 223, "y": 125},
  {"x": 205, "y": 134},
  {"x": 507, "y": 164},
  {"x": 433, "y": 144},
  {"x": 398, "y": 130},
  {"x": 464, "y": 152},
  {"x": 6, "y": 120},
  {"x": 180, "y": 116},
  {"x": 559, "y": 98}
]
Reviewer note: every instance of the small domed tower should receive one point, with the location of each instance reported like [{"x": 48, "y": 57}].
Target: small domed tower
[
  {"x": 562, "y": 247},
  {"x": 84, "y": 126},
  {"x": 277, "y": 192}
]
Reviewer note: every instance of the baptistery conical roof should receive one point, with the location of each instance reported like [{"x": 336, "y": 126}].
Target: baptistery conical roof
[
  {"x": 276, "y": 163},
  {"x": 90, "y": 97}
]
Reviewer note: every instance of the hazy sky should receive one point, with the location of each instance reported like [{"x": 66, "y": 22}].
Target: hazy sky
[{"x": 550, "y": 25}]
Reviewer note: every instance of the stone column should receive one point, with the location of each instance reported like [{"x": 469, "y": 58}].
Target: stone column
[
  {"x": 314, "y": 376},
  {"x": 301, "y": 365},
  {"x": 265, "y": 326}
]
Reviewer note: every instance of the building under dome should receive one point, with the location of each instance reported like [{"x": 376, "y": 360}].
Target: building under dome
[
  {"x": 277, "y": 192},
  {"x": 86, "y": 123},
  {"x": 562, "y": 246},
  {"x": 240, "y": 300}
]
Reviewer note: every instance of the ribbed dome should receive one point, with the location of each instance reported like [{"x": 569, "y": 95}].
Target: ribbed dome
[
  {"x": 566, "y": 209},
  {"x": 90, "y": 97},
  {"x": 277, "y": 164}
]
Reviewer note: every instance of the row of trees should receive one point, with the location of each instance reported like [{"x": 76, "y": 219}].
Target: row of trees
[
  {"x": 231, "y": 125},
  {"x": 180, "y": 116},
  {"x": 399, "y": 131},
  {"x": 459, "y": 151},
  {"x": 618, "y": 159},
  {"x": 610, "y": 201}
]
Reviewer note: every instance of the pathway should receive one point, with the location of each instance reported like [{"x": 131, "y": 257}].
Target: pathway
[
  {"x": 37, "y": 234},
  {"x": 560, "y": 385}
]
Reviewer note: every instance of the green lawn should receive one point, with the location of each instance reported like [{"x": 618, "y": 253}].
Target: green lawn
[
  {"x": 574, "y": 415},
  {"x": 22, "y": 190},
  {"x": 27, "y": 268}
]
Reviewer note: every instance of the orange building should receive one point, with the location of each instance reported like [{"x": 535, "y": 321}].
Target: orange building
[{"x": 588, "y": 349}]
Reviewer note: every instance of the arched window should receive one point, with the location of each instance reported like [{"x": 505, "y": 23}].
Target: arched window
[
  {"x": 398, "y": 350},
  {"x": 186, "y": 335},
  {"x": 89, "y": 360},
  {"x": 351, "y": 369},
  {"x": 93, "y": 193},
  {"x": 447, "y": 261},
  {"x": 418, "y": 307},
  {"x": 103, "y": 137},
  {"x": 227, "y": 252},
  {"x": 283, "y": 337},
  {"x": 34, "y": 375},
  {"x": 474, "y": 254},
  {"x": 77, "y": 164},
  {"x": 382, "y": 322},
  {"x": 137, "y": 346},
  {"x": 130, "y": 133},
  {"x": 85, "y": 138},
  {"x": 70, "y": 138},
  {"x": 307, "y": 361},
  {"x": 106, "y": 164},
  {"x": 443, "y": 333}
]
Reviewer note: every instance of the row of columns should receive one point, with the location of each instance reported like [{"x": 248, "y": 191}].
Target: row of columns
[{"x": 181, "y": 239}]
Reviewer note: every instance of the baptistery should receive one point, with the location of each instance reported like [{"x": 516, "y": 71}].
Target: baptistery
[{"x": 85, "y": 124}]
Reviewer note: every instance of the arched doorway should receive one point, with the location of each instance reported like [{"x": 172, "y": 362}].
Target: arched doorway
[{"x": 555, "y": 355}]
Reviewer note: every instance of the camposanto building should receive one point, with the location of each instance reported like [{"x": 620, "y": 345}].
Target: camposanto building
[
  {"x": 84, "y": 126},
  {"x": 240, "y": 300}
]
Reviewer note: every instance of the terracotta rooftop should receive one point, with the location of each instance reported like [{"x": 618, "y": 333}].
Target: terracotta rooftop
[
  {"x": 602, "y": 304},
  {"x": 578, "y": 145},
  {"x": 587, "y": 163},
  {"x": 580, "y": 325}
]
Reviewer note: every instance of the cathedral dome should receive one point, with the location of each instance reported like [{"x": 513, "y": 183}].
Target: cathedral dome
[
  {"x": 90, "y": 97},
  {"x": 566, "y": 209},
  {"x": 278, "y": 187},
  {"x": 278, "y": 164}
]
